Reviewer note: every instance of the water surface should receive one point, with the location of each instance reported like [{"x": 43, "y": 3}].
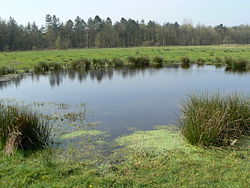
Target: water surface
[{"x": 126, "y": 98}]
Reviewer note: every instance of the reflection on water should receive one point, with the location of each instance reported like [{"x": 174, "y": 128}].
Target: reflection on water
[
  {"x": 16, "y": 82},
  {"x": 123, "y": 98},
  {"x": 56, "y": 78}
]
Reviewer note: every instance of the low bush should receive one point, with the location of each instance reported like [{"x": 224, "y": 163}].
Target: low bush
[{"x": 215, "y": 119}]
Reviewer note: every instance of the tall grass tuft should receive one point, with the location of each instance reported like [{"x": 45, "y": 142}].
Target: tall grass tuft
[
  {"x": 200, "y": 62},
  {"x": 240, "y": 64},
  {"x": 100, "y": 63},
  {"x": 7, "y": 70},
  {"x": 139, "y": 61},
  {"x": 81, "y": 65},
  {"x": 218, "y": 61},
  {"x": 236, "y": 64},
  {"x": 185, "y": 61},
  {"x": 22, "y": 129},
  {"x": 215, "y": 119},
  {"x": 41, "y": 67},
  {"x": 117, "y": 62},
  {"x": 158, "y": 60},
  {"x": 229, "y": 61},
  {"x": 56, "y": 67}
]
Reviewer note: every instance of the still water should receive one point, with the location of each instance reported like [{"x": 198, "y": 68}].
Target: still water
[{"x": 127, "y": 98}]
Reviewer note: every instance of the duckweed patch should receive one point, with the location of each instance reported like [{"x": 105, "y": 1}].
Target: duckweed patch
[{"x": 154, "y": 141}]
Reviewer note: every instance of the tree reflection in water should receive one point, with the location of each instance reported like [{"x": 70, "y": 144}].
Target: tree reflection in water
[{"x": 56, "y": 78}]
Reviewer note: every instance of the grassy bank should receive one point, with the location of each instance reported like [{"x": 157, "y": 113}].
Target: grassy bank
[
  {"x": 157, "y": 158},
  {"x": 209, "y": 54}
]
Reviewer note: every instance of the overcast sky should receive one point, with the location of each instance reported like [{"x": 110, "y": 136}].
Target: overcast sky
[{"x": 208, "y": 12}]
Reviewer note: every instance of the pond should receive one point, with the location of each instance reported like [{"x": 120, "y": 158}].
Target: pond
[{"x": 126, "y": 99}]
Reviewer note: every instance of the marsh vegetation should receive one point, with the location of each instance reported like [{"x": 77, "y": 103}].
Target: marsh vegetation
[
  {"x": 105, "y": 151},
  {"x": 86, "y": 59}
]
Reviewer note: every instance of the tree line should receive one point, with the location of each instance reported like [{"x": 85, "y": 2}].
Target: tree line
[{"x": 100, "y": 33}]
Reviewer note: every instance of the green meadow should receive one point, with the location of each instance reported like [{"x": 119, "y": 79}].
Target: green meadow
[{"x": 28, "y": 59}]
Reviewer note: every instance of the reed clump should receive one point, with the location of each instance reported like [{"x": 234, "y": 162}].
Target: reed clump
[
  {"x": 200, "y": 62},
  {"x": 118, "y": 62},
  {"x": 139, "y": 61},
  {"x": 100, "y": 63},
  {"x": 158, "y": 60},
  {"x": 218, "y": 61},
  {"x": 215, "y": 119},
  {"x": 81, "y": 65},
  {"x": 185, "y": 61},
  {"x": 55, "y": 66},
  {"x": 22, "y": 129},
  {"x": 42, "y": 67},
  {"x": 7, "y": 70},
  {"x": 237, "y": 64}
]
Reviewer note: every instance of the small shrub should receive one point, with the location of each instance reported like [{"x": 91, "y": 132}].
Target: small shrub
[
  {"x": 214, "y": 119},
  {"x": 158, "y": 60},
  {"x": 22, "y": 129},
  {"x": 139, "y": 61}
]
